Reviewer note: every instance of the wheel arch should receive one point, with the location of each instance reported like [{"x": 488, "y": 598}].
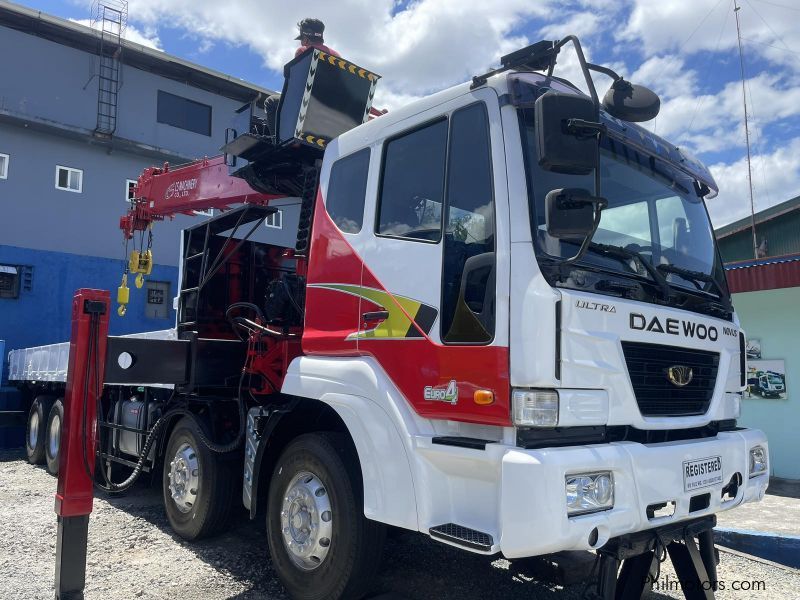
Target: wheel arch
[{"x": 386, "y": 480}]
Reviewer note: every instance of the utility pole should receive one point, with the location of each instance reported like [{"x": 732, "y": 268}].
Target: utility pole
[{"x": 746, "y": 131}]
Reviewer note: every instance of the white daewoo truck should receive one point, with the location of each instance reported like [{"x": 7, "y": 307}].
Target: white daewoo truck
[{"x": 505, "y": 325}]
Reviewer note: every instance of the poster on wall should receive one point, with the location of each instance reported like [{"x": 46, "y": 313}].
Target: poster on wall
[
  {"x": 766, "y": 379},
  {"x": 753, "y": 349}
]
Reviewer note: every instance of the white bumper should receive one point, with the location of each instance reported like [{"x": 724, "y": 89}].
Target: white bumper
[{"x": 529, "y": 513}]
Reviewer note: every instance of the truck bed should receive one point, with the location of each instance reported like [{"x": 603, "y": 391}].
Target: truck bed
[{"x": 49, "y": 363}]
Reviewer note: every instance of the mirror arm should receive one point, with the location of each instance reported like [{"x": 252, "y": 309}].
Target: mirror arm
[
  {"x": 604, "y": 71},
  {"x": 583, "y": 128},
  {"x": 599, "y": 205},
  {"x": 584, "y": 67},
  {"x": 592, "y": 92}
]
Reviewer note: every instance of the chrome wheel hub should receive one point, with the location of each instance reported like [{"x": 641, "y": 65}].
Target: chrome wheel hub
[
  {"x": 33, "y": 430},
  {"x": 306, "y": 521},
  {"x": 184, "y": 476},
  {"x": 55, "y": 435}
]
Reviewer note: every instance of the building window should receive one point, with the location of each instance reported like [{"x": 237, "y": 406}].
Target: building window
[
  {"x": 157, "y": 306},
  {"x": 3, "y": 166},
  {"x": 129, "y": 185},
  {"x": 412, "y": 184},
  {"x": 275, "y": 220},
  {"x": 69, "y": 179},
  {"x": 9, "y": 281},
  {"x": 184, "y": 113},
  {"x": 347, "y": 187}
]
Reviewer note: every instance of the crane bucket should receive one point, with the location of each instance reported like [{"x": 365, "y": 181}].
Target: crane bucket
[{"x": 323, "y": 96}]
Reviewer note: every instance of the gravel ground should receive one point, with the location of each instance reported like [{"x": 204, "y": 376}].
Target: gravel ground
[{"x": 132, "y": 554}]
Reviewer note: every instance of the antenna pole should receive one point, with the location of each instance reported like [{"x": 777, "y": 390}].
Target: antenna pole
[{"x": 746, "y": 131}]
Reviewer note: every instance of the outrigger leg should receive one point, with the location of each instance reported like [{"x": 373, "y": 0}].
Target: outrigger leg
[
  {"x": 640, "y": 554},
  {"x": 75, "y": 493}
]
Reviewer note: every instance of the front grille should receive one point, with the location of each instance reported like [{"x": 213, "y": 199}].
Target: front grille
[{"x": 655, "y": 394}]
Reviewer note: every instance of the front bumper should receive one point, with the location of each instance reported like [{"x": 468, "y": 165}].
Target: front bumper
[
  {"x": 532, "y": 507},
  {"x": 517, "y": 496}
]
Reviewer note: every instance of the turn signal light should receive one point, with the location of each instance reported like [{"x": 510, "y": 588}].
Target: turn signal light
[{"x": 483, "y": 397}]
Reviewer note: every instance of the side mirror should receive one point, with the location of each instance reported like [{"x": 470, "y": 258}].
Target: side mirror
[
  {"x": 562, "y": 147},
  {"x": 572, "y": 213},
  {"x": 629, "y": 102}
]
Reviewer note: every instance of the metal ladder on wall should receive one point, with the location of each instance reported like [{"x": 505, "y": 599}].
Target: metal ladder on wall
[{"x": 110, "y": 18}]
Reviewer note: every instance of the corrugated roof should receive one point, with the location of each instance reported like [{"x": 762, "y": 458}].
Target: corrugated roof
[
  {"x": 762, "y": 216},
  {"x": 85, "y": 38},
  {"x": 763, "y": 274}
]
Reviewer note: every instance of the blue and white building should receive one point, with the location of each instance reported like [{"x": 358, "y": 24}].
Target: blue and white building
[{"x": 82, "y": 113}]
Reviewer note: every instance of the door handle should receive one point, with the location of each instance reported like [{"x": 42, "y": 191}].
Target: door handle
[{"x": 377, "y": 315}]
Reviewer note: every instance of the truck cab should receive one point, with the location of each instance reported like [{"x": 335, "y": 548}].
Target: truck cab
[{"x": 543, "y": 403}]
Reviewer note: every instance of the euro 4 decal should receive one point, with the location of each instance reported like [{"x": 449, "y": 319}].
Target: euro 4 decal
[
  {"x": 447, "y": 394},
  {"x": 671, "y": 326}
]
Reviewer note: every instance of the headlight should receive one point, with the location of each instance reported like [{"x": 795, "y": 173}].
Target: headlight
[
  {"x": 589, "y": 492},
  {"x": 758, "y": 460},
  {"x": 535, "y": 408}
]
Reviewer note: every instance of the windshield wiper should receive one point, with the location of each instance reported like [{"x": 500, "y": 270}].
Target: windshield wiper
[
  {"x": 624, "y": 255},
  {"x": 697, "y": 276}
]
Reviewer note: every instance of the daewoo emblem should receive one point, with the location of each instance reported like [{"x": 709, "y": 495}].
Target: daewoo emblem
[{"x": 680, "y": 375}]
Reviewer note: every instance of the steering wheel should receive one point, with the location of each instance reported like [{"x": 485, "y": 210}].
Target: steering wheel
[{"x": 242, "y": 327}]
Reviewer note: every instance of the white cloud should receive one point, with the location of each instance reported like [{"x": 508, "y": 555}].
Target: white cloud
[
  {"x": 776, "y": 177},
  {"x": 148, "y": 37},
  {"x": 420, "y": 46},
  {"x": 686, "y": 27},
  {"x": 423, "y": 46}
]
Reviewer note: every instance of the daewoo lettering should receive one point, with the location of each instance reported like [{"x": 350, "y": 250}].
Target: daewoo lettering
[{"x": 672, "y": 326}]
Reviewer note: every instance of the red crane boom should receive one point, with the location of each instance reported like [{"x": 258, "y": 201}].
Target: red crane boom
[{"x": 201, "y": 185}]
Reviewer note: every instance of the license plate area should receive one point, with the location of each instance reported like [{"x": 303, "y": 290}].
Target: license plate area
[{"x": 702, "y": 473}]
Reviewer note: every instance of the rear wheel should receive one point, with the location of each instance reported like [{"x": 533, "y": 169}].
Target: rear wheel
[
  {"x": 321, "y": 544},
  {"x": 35, "y": 431},
  {"x": 198, "y": 484},
  {"x": 53, "y": 436}
]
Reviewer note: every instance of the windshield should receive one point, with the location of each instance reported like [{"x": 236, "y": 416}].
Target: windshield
[
  {"x": 774, "y": 379},
  {"x": 653, "y": 215}
]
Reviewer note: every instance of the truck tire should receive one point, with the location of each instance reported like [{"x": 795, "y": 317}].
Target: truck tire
[
  {"x": 198, "y": 484},
  {"x": 35, "y": 430},
  {"x": 52, "y": 448},
  {"x": 321, "y": 544}
]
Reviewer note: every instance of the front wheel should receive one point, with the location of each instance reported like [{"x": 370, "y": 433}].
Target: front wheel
[{"x": 321, "y": 544}]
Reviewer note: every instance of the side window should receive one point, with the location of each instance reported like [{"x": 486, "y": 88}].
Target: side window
[
  {"x": 468, "y": 271},
  {"x": 347, "y": 187},
  {"x": 412, "y": 184}
]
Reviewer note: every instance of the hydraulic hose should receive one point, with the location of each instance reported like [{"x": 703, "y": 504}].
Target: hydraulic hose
[{"x": 108, "y": 485}]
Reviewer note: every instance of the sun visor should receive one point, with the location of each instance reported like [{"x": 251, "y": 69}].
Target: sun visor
[{"x": 653, "y": 145}]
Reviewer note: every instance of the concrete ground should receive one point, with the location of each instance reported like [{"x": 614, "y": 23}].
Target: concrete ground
[
  {"x": 132, "y": 554},
  {"x": 774, "y": 514}
]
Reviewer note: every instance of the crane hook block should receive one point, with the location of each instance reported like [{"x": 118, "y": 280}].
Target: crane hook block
[
  {"x": 141, "y": 262},
  {"x": 123, "y": 295}
]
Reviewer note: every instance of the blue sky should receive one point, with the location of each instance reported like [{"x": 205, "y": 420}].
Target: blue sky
[{"x": 684, "y": 50}]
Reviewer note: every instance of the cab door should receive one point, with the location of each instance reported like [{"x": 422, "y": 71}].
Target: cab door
[{"x": 434, "y": 284}]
